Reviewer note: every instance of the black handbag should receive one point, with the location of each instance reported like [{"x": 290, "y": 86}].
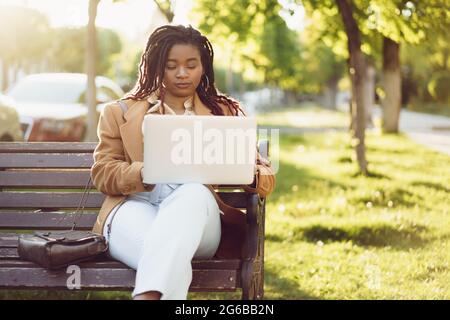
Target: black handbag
[{"x": 57, "y": 249}]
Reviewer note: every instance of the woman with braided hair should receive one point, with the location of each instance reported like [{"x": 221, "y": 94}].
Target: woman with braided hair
[{"x": 158, "y": 229}]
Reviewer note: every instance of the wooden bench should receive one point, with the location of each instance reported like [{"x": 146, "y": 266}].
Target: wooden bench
[{"x": 41, "y": 181}]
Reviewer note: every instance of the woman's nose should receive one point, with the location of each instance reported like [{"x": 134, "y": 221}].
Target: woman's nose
[{"x": 182, "y": 72}]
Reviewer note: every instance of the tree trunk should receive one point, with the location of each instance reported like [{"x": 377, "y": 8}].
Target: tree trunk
[
  {"x": 392, "y": 85},
  {"x": 91, "y": 72},
  {"x": 5, "y": 75},
  {"x": 330, "y": 93},
  {"x": 358, "y": 76},
  {"x": 369, "y": 88}
]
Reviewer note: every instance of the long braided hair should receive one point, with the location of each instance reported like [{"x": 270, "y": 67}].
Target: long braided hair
[{"x": 154, "y": 59}]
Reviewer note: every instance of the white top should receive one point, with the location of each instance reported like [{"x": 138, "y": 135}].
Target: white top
[{"x": 188, "y": 106}]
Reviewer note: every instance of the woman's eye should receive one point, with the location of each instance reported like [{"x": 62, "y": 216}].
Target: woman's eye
[
  {"x": 171, "y": 67},
  {"x": 192, "y": 67}
]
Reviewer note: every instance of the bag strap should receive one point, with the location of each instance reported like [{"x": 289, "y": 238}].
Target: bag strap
[
  {"x": 88, "y": 187},
  {"x": 81, "y": 204}
]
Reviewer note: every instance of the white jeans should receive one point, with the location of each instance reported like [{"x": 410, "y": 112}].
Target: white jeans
[{"x": 158, "y": 233}]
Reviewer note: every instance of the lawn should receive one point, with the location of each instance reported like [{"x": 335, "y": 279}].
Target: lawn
[{"x": 333, "y": 234}]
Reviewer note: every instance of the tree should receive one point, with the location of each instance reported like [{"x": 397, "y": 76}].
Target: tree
[
  {"x": 357, "y": 70},
  {"x": 91, "y": 71},
  {"x": 67, "y": 52},
  {"x": 17, "y": 48},
  {"x": 321, "y": 66},
  {"x": 399, "y": 22},
  {"x": 256, "y": 40}
]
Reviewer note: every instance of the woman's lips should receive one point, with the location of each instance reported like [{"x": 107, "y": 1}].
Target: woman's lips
[{"x": 182, "y": 85}]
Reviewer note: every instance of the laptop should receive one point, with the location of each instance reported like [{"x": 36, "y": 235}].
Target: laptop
[{"x": 202, "y": 149}]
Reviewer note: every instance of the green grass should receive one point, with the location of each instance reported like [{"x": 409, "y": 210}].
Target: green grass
[
  {"x": 334, "y": 234},
  {"x": 308, "y": 116},
  {"x": 337, "y": 235}
]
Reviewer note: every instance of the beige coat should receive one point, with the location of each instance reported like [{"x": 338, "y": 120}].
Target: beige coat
[{"x": 118, "y": 161}]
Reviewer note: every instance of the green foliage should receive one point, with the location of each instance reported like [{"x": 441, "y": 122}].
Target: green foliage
[
  {"x": 421, "y": 28},
  {"x": 280, "y": 46},
  {"x": 68, "y": 49},
  {"x": 439, "y": 86},
  {"x": 69, "y": 46},
  {"x": 423, "y": 63},
  {"x": 109, "y": 44},
  {"x": 255, "y": 35}
]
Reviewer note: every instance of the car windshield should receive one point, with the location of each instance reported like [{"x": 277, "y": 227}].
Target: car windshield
[{"x": 48, "y": 91}]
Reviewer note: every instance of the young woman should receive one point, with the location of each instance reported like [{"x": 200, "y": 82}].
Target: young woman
[{"x": 158, "y": 229}]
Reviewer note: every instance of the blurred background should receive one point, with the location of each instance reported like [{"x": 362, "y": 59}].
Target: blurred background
[
  {"x": 359, "y": 91},
  {"x": 270, "y": 54}
]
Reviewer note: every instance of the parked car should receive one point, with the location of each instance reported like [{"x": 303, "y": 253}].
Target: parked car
[
  {"x": 52, "y": 106},
  {"x": 10, "y": 129}
]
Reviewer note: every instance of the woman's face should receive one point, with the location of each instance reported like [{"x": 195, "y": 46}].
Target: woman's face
[{"x": 183, "y": 70}]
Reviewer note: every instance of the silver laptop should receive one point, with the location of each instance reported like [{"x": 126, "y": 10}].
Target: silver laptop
[{"x": 203, "y": 149}]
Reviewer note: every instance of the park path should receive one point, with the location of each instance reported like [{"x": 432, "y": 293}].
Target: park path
[{"x": 432, "y": 131}]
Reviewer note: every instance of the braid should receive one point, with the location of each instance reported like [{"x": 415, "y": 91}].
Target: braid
[{"x": 154, "y": 58}]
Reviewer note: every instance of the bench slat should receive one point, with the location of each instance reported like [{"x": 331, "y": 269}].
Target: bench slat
[
  {"x": 106, "y": 279},
  {"x": 231, "y": 264},
  {"x": 49, "y": 199},
  {"x": 46, "y": 160},
  {"x": 104, "y": 262},
  {"x": 44, "y": 179},
  {"x": 53, "y": 179},
  {"x": 10, "y": 199},
  {"x": 47, "y": 147},
  {"x": 45, "y": 220}
]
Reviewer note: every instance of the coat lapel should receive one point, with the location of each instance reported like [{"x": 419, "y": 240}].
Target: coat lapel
[{"x": 131, "y": 130}]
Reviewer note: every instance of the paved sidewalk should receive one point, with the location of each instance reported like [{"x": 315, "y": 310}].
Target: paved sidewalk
[{"x": 430, "y": 130}]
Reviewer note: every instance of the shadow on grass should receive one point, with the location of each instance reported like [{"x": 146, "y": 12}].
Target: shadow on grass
[
  {"x": 283, "y": 287},
  {"x": 289, "y": 175},
  {"x": 371, "y": 174},
  {"x": 386, "y": 150},
  {"x": 275, "y": 287},
  {"x": 431, "y": 185},
  {"x": 401, "y": 237}
]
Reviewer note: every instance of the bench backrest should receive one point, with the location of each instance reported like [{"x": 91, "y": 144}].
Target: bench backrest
[{"x": 40, "y": 182}]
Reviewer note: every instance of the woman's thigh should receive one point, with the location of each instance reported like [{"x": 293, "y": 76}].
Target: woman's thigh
[
  {"x": 130, "y": 224},
  {"x": 192, "y": 210}
]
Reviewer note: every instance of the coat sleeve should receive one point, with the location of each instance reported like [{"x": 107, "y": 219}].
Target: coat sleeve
[
  {"x": 264, "y": 180},
  {"x": 111, "y": 173}
]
